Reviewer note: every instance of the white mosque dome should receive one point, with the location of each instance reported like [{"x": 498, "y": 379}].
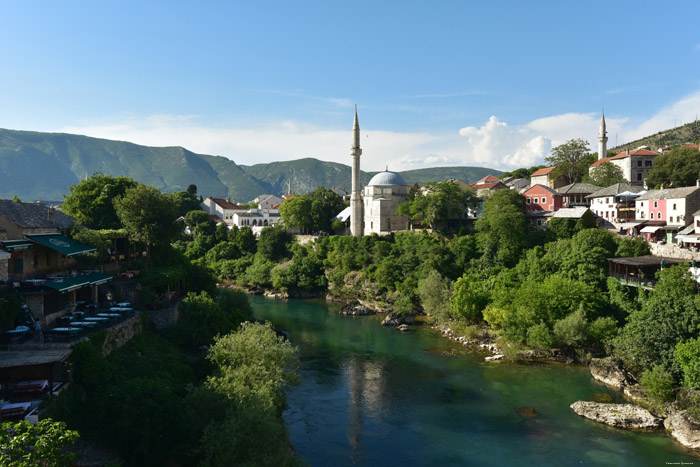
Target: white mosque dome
[{"x": 387, "y": 178}]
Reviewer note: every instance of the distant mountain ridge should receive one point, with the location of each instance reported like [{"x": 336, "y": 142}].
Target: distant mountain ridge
[{"x": 36, "y": 165}]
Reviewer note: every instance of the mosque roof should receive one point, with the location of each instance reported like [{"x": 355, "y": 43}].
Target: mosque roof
[{"x": 387, "y": 178}]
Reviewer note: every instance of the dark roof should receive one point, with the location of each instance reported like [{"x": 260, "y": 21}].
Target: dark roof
[
  {"x": 669, "y": 193},
  {"x": 616, "y": 189},
  {"x": 578, "y": 189},
  {"x": 648, "y": 260},
  {"x": 33, "y": 216}
]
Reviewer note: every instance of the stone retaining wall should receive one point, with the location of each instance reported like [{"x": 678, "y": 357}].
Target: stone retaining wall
[
  {"x": 121, "y": 333},
  {"x": 165, "y": 317},
  {"x": 673, "y": 251}
]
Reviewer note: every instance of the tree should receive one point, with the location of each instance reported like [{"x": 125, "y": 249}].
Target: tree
[
  {"x": 606, "y": 174},
  {"x": 438, "y": 203},
  {"x": 676, "y": 168},
  {"x": 91, "y": 200},
  {"x": 25, "y": 445},
  {"x": 503, "y": 229},
  {"x": 570, "y": 159},
  {"x": 147, "y": 215},
  {"x": 325, "y": 205},
  {"x": 296, "y": 213},
  {"x": 688, "y": 356},
  {"x": 186, "y": 202}
]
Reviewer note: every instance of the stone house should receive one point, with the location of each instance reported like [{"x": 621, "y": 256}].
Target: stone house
[
  {"x": 635, "y": 164},
  {"x": 546, "y": 177},
  {"x": 607, "y": 203},
  {"x": 576, "y": 194}
]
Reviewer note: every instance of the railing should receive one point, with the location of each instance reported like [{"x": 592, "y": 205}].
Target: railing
[{"x": 634, "y": 281}]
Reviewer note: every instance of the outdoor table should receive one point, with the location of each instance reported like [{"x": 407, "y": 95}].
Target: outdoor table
[
  {"x": 35, "y": 386},
  {"x": 124, "y": 304},
  {"x": 66, "y": 331},
  {"x": 19, "y": 331},
  {"x": 16, "y": 410},
  {"x": 85, "y": 324},
  {"x": 110, "y": 316},
  {"x": 99, "y": 320}
]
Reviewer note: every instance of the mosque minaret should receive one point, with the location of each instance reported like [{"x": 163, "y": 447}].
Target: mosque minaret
[
  {"x": 602, "y": 139},
  {"x": 355, "y": 201}
]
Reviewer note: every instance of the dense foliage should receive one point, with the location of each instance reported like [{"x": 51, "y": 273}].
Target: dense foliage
[
  {"x": 312, "y": 212},
  {"x": 23, "y": 444},
  {"x": 678, "y": 167}
]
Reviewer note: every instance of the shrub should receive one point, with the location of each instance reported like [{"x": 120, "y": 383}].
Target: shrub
[
  {"x": 688, "y": 357},
  {"x": 571, "y": 331},
  {"x": 658, "y": 384},
  {"x": 540, "y": 337}
]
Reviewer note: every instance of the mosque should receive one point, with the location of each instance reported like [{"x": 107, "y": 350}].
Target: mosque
[{"x": 374, "y": 209}]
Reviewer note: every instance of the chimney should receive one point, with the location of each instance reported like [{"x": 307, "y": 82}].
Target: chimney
[
  {"x": 628, "y": 151},
  {"x": 697, "y": 183},
  {"x": 51, "y": 215}
]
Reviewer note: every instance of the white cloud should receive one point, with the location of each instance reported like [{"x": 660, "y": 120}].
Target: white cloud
[{"x": 493, "y": 144}]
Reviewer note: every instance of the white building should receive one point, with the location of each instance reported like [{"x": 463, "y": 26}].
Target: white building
[
  {"x": 616, "y": 202},
  {"x": 223, "y": 209},
  {"x": 381, "y": 198}
]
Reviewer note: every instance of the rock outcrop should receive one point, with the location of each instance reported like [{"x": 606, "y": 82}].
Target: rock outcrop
[
  {"x": 356, "y": 308},
  {"x": 618, "y": 415},
  {"x": 609, "y": 371},
  {"x": 686, "y": 432},
  {"x": 393, "y": 319}
]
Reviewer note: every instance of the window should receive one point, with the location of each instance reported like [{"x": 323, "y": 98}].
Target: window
[
  {"x": 607, "y": 200},
  {"x": 639, "y": 163},
  {"x": 656, "y": 204},
  {"x": 529, "y": 201},
  {"x": 537, "y": 200},
  {"x": 647, "y": 163},
  {"x": 19, "y": 265},
  {"x": 651, "y": 216},
  {"x": 539, "y": 221},
  {"x": 639, "y": 177},
  {"x": 544, "y": 200},
  {"x": 674, "y": 206}
]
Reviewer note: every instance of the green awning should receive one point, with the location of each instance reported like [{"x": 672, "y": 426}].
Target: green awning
[
  {"x": 14, "y": 245},
  {"x": 68, "y": 284},
  {"x": 64, "y": 245}
]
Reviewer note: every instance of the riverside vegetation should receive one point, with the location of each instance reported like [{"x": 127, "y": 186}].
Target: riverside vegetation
[{"x": 531, "y": 291}]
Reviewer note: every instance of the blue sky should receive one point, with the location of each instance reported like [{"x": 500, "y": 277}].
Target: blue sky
[{"x": 494, "y": 84}]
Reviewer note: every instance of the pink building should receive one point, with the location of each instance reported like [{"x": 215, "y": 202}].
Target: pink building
[{"x": 542, "y": 198}]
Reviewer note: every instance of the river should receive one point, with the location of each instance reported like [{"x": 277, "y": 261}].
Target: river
[{"x": 373, "y": 396}]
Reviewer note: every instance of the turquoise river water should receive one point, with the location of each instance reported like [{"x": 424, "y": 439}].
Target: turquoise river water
[{"x": 373, "y": 396}]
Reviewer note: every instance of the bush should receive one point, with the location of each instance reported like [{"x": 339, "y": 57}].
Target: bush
[
  {"x": 571, "y": 331},
  {"x": 602, "y": 330},
  {"x": 658, "y": 384},
  {"x": 688, "y": 357},
  {"x": 540, "y": 337}
]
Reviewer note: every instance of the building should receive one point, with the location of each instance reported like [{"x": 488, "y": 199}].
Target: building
[
  {"x": 542, "y": 198},
  {"x": 487, "y": 185},
  {"x": 616, "y": 202},
  {"x": 635, "y": 165},
  {"x": 374, "y": 209},
  {"x": 576, "y": 194},
  {"x": 546, "y": 177},
  {"x": 602, "y": 138},
  {"x": 223, "y": 209},
  {"x": 667, "y": 211},
  {"x": 269, "y": 202}
]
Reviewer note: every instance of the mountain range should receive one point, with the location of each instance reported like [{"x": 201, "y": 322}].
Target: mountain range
[{"x": 43, "y": 166}]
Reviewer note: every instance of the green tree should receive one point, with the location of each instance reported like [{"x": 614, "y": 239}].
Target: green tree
[
  {"x": 91, "y": 201},
  {"x": 503, "y": 230},
  {"x": 186, "y": 202},
  {"x": 669, "y": 316},
  {"x": 325, "y": 205},
  {"x": 435, "y": 292},
  {"x": 439, "y": 202},
  {"x": 688, "y": 357},
  {"x": 676, "y": 168},
  {"x": 606, "y": 174},
  {"x": 472, "y": 293},
  {"x": 296, "y": 213},
  {"x": 571, "y": 159},
  {"x": 273, "y": 243},
  {"x": 147, "y": 215},
  {"x": 25, "y": 445}
]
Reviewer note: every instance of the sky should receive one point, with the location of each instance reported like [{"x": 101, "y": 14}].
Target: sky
[{"x": 436, "y": 83}]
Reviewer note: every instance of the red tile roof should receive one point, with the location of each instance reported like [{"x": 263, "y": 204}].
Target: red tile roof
[
  {"x": 225, "y": 204},
  {"x": 544, "y": 171},
  {"x": 623, "y": 154},
  {"x": 487, "y": 179}
]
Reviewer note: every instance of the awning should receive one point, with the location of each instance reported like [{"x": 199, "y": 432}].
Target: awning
[
  {"x": 650, "y": 229},
  {"x": 629, "y": 225},
  {"x": 689, "y": 229},
  {"x": 14, "y": 245},
  {"x": 672, "y": 227},
  {"x": 64, "y": 245},
  {"x": 688, "y": 238},
  {"x": 68, "y": 284}
]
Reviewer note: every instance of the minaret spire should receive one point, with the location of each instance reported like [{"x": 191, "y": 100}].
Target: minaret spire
[
  {"x": 355, "y": 200},
  {"x": 602, "y": 138}
]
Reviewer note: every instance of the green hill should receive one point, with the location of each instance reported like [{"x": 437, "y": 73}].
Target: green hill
[
  {"x": 687, "y": 133},
  {"x": 37, "y": 165}
]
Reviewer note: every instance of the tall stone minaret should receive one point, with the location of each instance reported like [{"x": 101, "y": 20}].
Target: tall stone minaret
[
  {"x": 355, "y": 201},
  {"x": 602, "y": 139}
]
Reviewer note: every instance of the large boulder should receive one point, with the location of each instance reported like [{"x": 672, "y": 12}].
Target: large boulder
[
  {"x": 394, "y": 319},
  {"x": 355, "y": 308},
  {"x": 610, "y": 371},
  {"x": 686, "y": 432},
  {"x": 618, "y": 415}
]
